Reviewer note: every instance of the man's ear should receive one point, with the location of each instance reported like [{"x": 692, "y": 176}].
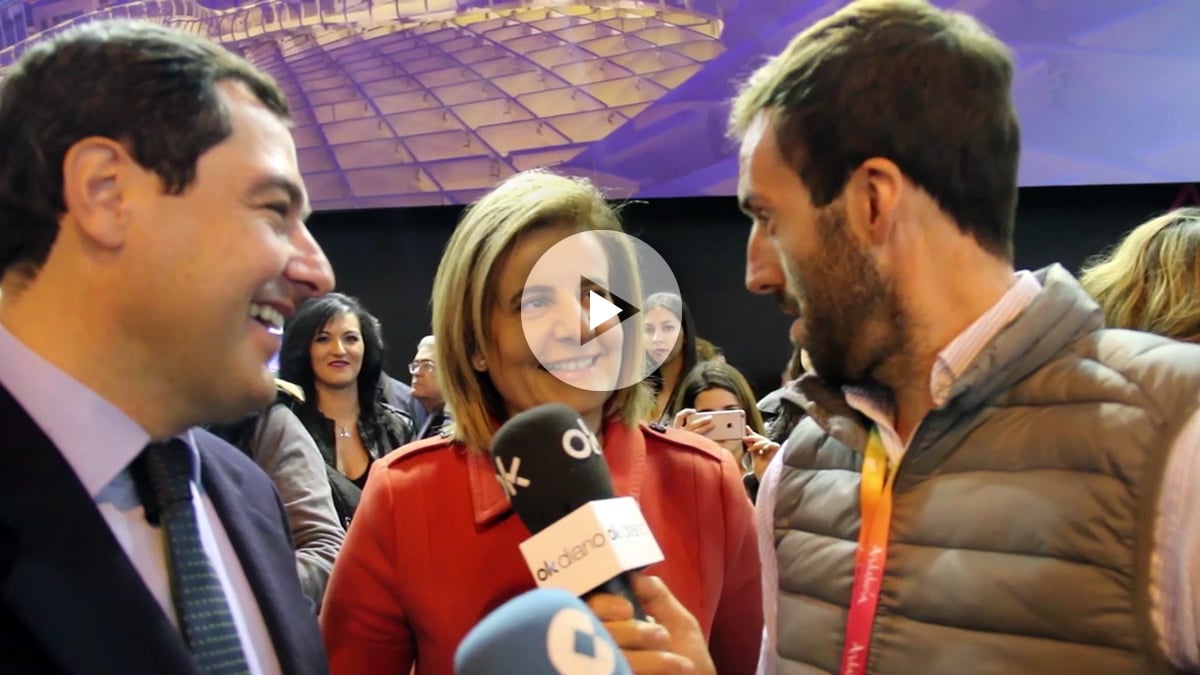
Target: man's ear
[
  {"x": 97, "y": 175},
  {"x": 876, "y": 190}
]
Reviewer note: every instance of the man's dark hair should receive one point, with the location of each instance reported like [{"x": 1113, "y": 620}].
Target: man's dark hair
[
  {"x": 151, "y": 88},
  {"x": 900, "y": 79}
]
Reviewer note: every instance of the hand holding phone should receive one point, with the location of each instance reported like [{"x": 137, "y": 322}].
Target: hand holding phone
[
  {"x": 727, "y": 425},
  {"x": 718, "y": 425}
]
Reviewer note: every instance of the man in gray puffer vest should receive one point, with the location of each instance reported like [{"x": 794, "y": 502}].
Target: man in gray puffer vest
[{"x": 989, "y": 481}]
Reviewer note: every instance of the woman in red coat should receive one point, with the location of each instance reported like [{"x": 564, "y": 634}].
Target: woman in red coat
[{"x": 434, "y": 544}]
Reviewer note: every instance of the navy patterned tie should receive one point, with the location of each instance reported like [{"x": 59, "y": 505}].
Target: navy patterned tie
[{"x": 200, "y": 603}]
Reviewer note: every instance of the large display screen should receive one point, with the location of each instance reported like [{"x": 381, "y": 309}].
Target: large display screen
[{"x": 419, "y": 102}]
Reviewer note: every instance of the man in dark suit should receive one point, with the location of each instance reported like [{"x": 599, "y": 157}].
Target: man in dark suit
[{"x": 151, "y": 242}]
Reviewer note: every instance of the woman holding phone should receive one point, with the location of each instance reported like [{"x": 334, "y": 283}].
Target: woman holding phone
[{"x": 707, "y": 395}]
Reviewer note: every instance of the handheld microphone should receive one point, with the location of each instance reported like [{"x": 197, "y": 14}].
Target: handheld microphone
[
  {"x": 546, "y": 631},
  {"x": 584, "y": 540}
]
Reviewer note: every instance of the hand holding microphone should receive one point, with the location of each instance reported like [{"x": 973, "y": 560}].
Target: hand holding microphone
[
  {"x": 543, "y": 632},
  {"x": 548, "y": 631},
  {"x": 673, "y": 643}
]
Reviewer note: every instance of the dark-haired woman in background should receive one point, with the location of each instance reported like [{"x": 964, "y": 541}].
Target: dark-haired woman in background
[
  {"x": 716, "y": 385},
  {"x": 333, "y": 350},
  {"x": 671, "y": 344}
]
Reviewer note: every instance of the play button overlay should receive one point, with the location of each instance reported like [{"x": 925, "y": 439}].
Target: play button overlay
[
  {"x": 581, "y": 308},
  {"x": 600, "y": 310},
  {"x": 602, "y": 313}
]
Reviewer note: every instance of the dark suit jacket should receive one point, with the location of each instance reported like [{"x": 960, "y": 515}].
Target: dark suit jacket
[
  {"x": 72, "y": 602},
  {"x": 434, "y": 423}
]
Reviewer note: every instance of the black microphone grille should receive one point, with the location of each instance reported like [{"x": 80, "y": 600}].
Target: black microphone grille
[{"x": 549, "y": 463}]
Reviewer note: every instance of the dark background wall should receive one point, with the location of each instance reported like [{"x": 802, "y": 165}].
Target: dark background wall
[{"x": 388, "y": 258}]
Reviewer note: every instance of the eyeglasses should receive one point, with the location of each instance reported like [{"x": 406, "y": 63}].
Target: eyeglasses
[{"x": 421, "y": 366}]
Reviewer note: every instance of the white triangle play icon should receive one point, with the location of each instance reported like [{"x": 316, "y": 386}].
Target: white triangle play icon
[{"x": 600, "y": 310}]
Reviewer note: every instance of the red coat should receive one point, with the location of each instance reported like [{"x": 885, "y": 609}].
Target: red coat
[{"x": 433, "y": 549}]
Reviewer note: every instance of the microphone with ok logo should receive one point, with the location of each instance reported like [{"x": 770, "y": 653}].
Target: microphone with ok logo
[{"x": 584, "y": 539}]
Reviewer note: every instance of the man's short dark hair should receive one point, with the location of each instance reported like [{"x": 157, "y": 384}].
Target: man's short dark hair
[
  {"x": 151, "y": 88},
  {"x": 900, "y": 79}
]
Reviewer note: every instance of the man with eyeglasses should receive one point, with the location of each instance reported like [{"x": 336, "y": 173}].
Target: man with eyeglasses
[{"x": 425, "y": 390}]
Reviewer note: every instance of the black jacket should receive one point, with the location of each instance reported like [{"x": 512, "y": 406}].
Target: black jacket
[{"x": 383, "y": 429}]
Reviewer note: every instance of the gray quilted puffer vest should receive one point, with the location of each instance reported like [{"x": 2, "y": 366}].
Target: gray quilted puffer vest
[{"x": 1024, "y": 508}]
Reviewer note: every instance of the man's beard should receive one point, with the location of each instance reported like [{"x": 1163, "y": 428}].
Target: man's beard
[{"x": 852, "y": 315}]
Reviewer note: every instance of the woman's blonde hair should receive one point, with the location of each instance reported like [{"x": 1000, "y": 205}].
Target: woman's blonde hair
[
  {"x": 1151, "y": 280},
  {"x": 464, "y": 293}
]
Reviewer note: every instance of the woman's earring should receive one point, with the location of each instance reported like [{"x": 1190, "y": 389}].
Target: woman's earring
[{"x": 480, "y": 364}]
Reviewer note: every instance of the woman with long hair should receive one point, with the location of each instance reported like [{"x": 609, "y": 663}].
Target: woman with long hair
[
  {"x": 714, "y": 386},
  {"x": 333, "y": 349},
  {"x": 670, "y": 346},
  {"x": 437, "y": 547}
]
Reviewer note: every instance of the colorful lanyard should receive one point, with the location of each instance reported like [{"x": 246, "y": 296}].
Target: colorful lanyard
[{"x": 875, "y": 496}]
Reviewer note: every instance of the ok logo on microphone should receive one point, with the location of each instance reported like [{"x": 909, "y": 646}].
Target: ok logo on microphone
[
  {"x": 510, "y": 478},
  {"x": 580, "y": 443}
]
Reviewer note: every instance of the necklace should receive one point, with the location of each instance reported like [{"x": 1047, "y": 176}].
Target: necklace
[{"x": 343, "y": 432}]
